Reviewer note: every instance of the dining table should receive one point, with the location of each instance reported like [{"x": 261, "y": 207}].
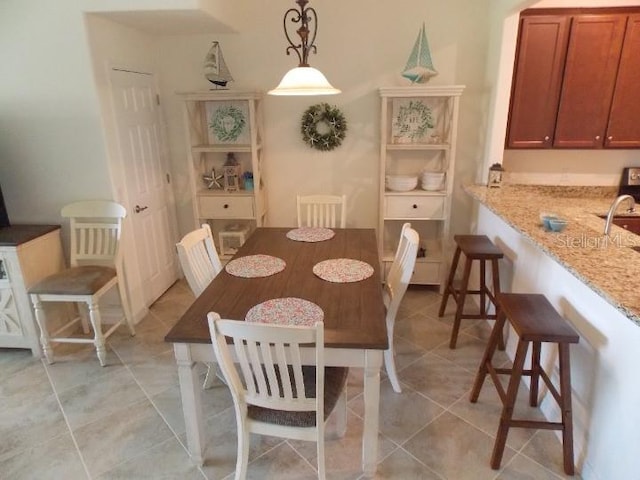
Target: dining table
[{"x": 354, "y": 318}]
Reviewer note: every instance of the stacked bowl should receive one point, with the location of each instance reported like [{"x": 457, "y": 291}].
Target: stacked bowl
[
  {"x": 401, "y": 183},
  {"x": 432, "y": 181}
]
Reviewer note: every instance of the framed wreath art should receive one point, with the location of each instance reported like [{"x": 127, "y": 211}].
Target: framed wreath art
[
  {"x": 323, "y": 127},
  {"x": 411, "y": 121},
  {"x": 227, "y": 122}
]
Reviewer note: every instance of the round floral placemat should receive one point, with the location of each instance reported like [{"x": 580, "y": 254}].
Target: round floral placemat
[
  {"x": 343, "y": 270},
  {"x": 286, "y": 311},
  {"x": 254, "y": 266},
  {"x": 310, "y": 234}
]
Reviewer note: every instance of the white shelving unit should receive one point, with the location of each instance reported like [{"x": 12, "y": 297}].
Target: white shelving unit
[
  {"x": 418, "y": 133},
  {"x": 212, "y": 134}
]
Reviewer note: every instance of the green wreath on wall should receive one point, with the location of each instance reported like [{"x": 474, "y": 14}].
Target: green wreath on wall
[{"x": 323, "y": 127}]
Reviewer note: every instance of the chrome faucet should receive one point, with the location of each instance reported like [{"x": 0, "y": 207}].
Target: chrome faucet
[{"x": 614, "y": 207}]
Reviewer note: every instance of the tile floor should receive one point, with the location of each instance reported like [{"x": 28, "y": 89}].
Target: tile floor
[{"x": 75, "y": 420}]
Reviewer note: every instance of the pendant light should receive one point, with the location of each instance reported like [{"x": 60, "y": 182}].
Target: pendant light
[{"x": 303, "y": 79}]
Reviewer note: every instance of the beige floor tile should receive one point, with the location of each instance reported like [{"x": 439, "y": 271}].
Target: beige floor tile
[
  {"x": 100, "y": 397},
  {"x": 468, "y": 352},
  {"x": 401, "y": 414},
  {"x": 13, "y": 360},
  {"x": 282, "y": 463},
  {"x": 80, "y": 368},
  {"x": 121, "y": 436},
  {"x": 546, "y": 449},
  {"x": 148, "y": 341},
  {"x": 422, "y": 331},
  {"x": 401, "y": 465},
  {"x": 167, "y": 461},
  {"x": 406, "y": 353},
  {"x": 523, "y": 468},
  {"x": 29, "y": 424},
  {"x": 438, "y": 379},
  {"x": 343, "y": 456},
  {"x": 455, "y": 449},
  {"x": 485, "y": 413},
  {"x": 30, "y": 384},
  {"x": 156, "y": 374},
  {"x": 57, "y": 458}
]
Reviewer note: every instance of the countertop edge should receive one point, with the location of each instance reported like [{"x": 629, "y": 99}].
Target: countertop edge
[{"x": 469, "y": 189}]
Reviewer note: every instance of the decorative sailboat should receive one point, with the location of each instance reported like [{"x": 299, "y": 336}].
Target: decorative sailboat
[
  {"x": 215, "y": 68},
  {"x": 419, "y": 68}
]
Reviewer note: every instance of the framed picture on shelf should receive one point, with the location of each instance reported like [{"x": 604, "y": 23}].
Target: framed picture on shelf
[
  {"x": 227, "y": 122},
  {"x": 414, "y": 120}
]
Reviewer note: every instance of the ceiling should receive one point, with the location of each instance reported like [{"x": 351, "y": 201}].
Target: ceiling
[{"x": 169, "y": 22}]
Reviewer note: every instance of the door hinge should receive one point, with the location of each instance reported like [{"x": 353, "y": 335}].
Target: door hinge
[{"x": 158, "y": 98}]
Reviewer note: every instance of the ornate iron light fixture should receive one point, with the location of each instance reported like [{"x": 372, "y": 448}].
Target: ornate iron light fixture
[{"x": 303, "y": 79}]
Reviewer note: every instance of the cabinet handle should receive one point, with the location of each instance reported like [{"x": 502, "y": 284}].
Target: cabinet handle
[
  {"x": 226, "y": 205},
  {"x": 610, "y": 137},
  {"x": 597, "y": 137},
  {"x": 139, "y": 209},
  {"x": 415, "y": 206},
  {"x": 546, "y": 138}
]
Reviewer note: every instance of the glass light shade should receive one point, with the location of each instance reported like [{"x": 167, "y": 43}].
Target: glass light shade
[{"x": 304, "y": 81}]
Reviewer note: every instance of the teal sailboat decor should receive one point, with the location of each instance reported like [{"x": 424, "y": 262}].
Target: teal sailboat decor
[{"x": 419, "y": 68}]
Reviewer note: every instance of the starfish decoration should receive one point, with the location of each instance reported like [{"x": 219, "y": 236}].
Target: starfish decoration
[{"x": 212, "y": 179}]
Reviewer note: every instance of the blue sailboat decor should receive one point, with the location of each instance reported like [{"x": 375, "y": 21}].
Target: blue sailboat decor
[{"x": 419, "y": 68}]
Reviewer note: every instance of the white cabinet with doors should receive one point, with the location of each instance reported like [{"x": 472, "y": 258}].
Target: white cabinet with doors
[
  {"x": 219, "y": 125},
  {"x": 417, "y": 137}
]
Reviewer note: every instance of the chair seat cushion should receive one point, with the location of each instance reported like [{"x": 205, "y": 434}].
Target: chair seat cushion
[
  {"x": 84, "y": 280},
  {"x": 335, "y": 379}
]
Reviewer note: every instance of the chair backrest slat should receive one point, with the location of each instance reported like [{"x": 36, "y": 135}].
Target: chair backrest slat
[
  {"x": 270, "y": 361},
  {"x": 321, "y": 211},
  {"x": 199, "y": 258},
  {"x": 96, "y": 227},
  {"x": 402, "y": 268}
]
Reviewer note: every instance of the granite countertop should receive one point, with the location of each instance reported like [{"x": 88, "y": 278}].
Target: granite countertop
[
  {"x": 606, "y": 264},
  {"x": 18, "y": 234}
]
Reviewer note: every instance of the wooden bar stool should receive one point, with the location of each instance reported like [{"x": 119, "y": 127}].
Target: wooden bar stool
[
  {"x": 535, "y": 321},
  {"x": 474, "y": 247}
]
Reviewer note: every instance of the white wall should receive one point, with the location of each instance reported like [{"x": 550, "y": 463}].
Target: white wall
[
  {"x": 52, "y": 149},
  {"x": 360, "y": 48},
  {"x": 606, "y": 392}
]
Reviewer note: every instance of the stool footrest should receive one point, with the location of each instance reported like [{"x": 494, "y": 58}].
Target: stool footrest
[{"x": 536, "y": 424}]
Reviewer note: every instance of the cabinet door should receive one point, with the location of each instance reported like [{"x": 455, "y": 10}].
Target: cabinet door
[
  {"x": 542, "y": 46},
  {"x": 624, "y": 120},
  {"x": 589, "y": 78}
]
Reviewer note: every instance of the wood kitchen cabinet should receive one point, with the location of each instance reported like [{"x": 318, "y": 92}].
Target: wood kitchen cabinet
[
  {"x": 575, "y": 80},
  {"x": 542, "y": 47}
]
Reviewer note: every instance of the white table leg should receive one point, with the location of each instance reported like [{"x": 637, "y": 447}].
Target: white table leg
[
  {"x": 373, "y": 362},
  {"x": 190, "y": 393}
]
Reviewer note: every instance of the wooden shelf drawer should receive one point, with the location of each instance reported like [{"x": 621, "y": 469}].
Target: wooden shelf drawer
[
  {"x": 225, "y": 207},
  {"x": 414, "y": 207}
]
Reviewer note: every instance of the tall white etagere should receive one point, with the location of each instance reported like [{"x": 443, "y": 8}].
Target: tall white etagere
[
  {"x": 245, "y": 208},
  {"x": 418, "y": 131}
]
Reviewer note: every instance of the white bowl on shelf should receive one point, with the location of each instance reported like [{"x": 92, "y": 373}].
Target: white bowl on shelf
[
  {"x": 401, "y": 183},
  {"x": 432, "y": 181}
]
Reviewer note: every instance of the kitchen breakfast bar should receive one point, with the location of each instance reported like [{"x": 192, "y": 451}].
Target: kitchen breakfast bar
[{"x": 591, "y": 279}]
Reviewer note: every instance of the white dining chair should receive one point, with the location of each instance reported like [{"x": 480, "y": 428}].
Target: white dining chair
[
  {"x": 96, "y": 267},
  {"x": 273, "y": 393},
  {"x": 328, "y": 211},
  {"x": 394, "y": 289},
  {"x": 200, "y": 264}
]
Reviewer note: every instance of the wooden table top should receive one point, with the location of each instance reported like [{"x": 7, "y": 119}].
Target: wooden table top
[{"x": 354, "y": 313}]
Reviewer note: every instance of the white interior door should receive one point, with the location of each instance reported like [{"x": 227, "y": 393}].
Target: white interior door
[{"x": 144, "y": 161}]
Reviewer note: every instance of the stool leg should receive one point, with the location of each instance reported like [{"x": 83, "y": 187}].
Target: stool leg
[
  {"x": 495, "y": 274},
  {"x": 41, "y": 320},
  {"x": 449, "y": 287},
  {"x": 487, "y": 357},
  {"x": 510, "y": 401},
  {"x": 483, "y": 288},
  {"x": 535, "y": 374},
  {"x": 567, "y": 418},
  {"x": 460, "y": 301}
]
